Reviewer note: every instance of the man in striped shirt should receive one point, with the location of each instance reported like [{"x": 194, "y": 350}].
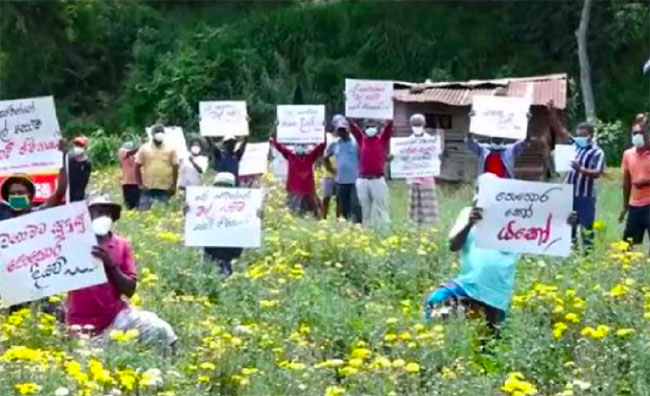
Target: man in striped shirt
[{"x": 588, "y": 166}]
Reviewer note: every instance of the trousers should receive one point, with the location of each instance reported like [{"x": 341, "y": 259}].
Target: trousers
[
  {"x": 348, "y": 201},
  {"x": 373, "y": 197}
]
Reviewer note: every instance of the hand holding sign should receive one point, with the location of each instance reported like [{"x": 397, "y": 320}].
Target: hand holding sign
[
  {"x": 219, "y": 118},
  {"x": 301, "y": 124}
]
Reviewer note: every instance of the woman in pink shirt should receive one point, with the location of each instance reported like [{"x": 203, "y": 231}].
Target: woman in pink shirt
[{"x": 423, "y": 200}]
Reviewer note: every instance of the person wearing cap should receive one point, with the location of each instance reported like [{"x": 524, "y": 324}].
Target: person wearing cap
[
  {"x": 224, "y": 256},
  {"x": 156, "y": 169},
  {"x": 346, "y": 152},
  {"x": 17, "y": 192},
  {"x": 102, "y": 306},
  {"x": 75, "y": 174},
  {"x": 485, "y": 283},
  {"x": 423, "y": 200},
  {"x": 371, "y": 186},
  {"x": 130, "y": 188},
  {"x": 194, "y": 166},
  {"x": 300, "y": 179},
  {"x": 588, "y": 166},
  {"x": 226, "y": 158}
]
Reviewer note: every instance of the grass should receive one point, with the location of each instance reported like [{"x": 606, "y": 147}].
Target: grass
[{"x": 327, "y": 308}]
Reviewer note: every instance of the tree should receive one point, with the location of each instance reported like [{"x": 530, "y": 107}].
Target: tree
[{"x": 583, "y": 59}]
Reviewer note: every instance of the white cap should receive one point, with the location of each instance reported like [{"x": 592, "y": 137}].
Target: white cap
[
  {"x": 225, "y": 178},
  {"x": 339, "y": 121}
]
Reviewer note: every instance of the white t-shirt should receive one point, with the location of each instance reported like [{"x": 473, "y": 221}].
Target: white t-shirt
[{"x": 189, "y": 175}]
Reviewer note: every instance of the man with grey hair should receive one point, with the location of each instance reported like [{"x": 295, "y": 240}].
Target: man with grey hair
[{"x": 423, "y": 200}]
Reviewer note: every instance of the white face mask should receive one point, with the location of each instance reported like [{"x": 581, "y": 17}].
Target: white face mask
[
  {"x": 102, "y": 225},
  {"x": 78, "y": 151},
  {"x": 371, "y": 132},
  {"x": 159, "y": 136},
  {"x": 196, "y": 150},
  {"x": 638, "y": 140},
  {"x": 417, "y": 130}
]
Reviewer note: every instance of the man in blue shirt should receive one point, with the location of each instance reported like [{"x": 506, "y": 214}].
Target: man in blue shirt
[{"x": 346, "y": 151}]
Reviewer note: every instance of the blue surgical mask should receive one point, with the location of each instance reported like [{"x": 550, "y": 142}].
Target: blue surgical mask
[
  {"x": 371, "y": 132},
  {"x": 300, "y": 150},
  {"x": 497, "y": 146},
  {"x": 638, "y": 140},
  {"x": 581, "y": 141}
]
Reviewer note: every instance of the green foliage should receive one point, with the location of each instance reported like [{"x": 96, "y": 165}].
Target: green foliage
[{"x": 615, "y": 138}]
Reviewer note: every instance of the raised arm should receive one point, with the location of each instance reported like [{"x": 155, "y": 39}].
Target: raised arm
[
  {"x": 355, "y": 130},
  {"x": 459, "y": 234},
  {"x": 472, "y": 145},
  {"x": 242, "y": 148},
  {"x": 317, "y": 152},
  {"x": 556, "y": 124},
  {"x": 387, "y": 131},
  {"x": 282, "y": 149}
]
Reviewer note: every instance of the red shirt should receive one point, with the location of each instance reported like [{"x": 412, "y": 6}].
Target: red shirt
[
  {"x": 99, "y": 305},
  {"x": 494, "y": 164},
  {"x": 300, "y": 178},
  {"x": 372, "y": 150}
]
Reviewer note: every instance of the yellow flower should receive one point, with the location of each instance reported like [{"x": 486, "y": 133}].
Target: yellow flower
[
  {"x": 622, "y": 333},
  {"x": 331, "y": 363},
  {"x": 412, "y": 368},
  {"x": 356, "y": 363},
  {"x": 348, "y": 371},
  {"x": 207, "y": 366},
  {"x": 599, "y": 225},
  {"x": 124, "y": 337},
  {"x": 516, "y": 386},
  {"x": 390, "y": 337},
  {"x": 268, "y": 303},
  {"x": 572, "y": 317},
  {"x": 27, "y": 388},
  {"x": 558, "y": 329},
  {"x": 360, "y": 353},
  {"x": 391, "y": 321},
  {"x": 398, "y": 363},
  {"x": 334, "y": 390},
  {"x": 203, "y": 380}
]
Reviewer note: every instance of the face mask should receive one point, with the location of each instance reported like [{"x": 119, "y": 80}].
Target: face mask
[
  {"x": 638, "y": 140},
  {"x": 371, "y": 132},
  {"x": 196, "y": 150},
  {"x": 158, "y": 137},
  {"x": 300, "y": 150},
  {"x": 497, "y": 146},
  {"x": 102, "y": 225},
  {"x": 78, "y": 151},
  {"x": 581, "y": 141},
  {"x": 18, "y": 202},
  {"x": 128, "y": 145},
  {"x": 417, "y": 130}
]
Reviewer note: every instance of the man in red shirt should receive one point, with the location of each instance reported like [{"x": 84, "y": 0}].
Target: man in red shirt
[
  {"x": 300, "y": 179},
  {"x": 102, "y": 306},
  {"x": 371, "y": 185}
]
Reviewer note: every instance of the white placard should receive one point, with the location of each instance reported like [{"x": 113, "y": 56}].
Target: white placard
[
  {"x": 47, "y": 252},
  {"x": 175, "y": 139},
  {"x": 415, "y": 156},
  {"x": 29, "y": 135},
  {"x": 564, "y": 155},
  {"x": 525, "y": 217},
  {"x": 500, "y": 116},
  {"x": 279, "y": 165},
  {"x": 301, "y": 124},
  {"x": 255, "y": 159},
  {"x": 371, "y": 99},
  {"x": 223, "y": 217},
  {"x": 219, "y": 118}
]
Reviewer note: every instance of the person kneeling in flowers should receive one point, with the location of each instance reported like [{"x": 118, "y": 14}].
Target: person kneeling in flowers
[
  {"x": 102, "y": 306},
  {"x": 486, "y": 280}
]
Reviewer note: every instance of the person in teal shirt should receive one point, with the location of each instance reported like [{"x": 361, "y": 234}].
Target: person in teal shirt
[{"x": 486, "y": 280}]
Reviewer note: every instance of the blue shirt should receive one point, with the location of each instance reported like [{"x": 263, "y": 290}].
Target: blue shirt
[
  {"x": 486, "y": 275},
  {"x": 590, "y": 157},
  {"x": 347, "y": 160},
  {"x": 508, "y": 155}
]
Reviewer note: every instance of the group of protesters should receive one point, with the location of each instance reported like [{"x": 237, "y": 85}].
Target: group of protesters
[{"x": 354, "y": 158}]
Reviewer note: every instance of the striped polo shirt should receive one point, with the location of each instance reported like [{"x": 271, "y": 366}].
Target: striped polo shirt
[{"x": 591, "y": 157}]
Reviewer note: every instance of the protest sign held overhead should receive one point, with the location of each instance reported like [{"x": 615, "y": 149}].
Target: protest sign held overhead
[
  {"x": 564, "y": 155},
  {"x": 46, "y": 253},
  {"x": 415, "y": 156},
  {"x": 219, "y": 118},
  {"x": 500, "y": 116},
  {"x": 525, "y": 217},
  {"x": 255, "y": 159},
  {"x": 175, "y": 139},
  {"x": 223, "y": 217},
  {"x": 369, "y": 99},
  {"x": 301, "y": 124},
  {"x": 29, "y": 135}
]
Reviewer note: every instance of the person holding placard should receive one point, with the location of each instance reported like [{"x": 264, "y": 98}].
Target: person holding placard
[
  {"x": 300, "y": 179},
  {"x": 636, "y": 186},
  {"x": 130, "y": 188},
  {"x": 371, "y": 185},
  {"x": 194, "y": 166},
  {"x": 227, "y": 157},
  {"x": 496, "y": 157},
  {"x": 17, "y": 193},
  {"x": 589, "y": 165},
  {"x": 346, "y": 152},
  {"x": 102, "y": 306},
  {"x": 156, "y": 169},
  {"x": 224, "y": 256},
  {"x": 74, "y": 175},
  {"x": 423, "y": 200}
]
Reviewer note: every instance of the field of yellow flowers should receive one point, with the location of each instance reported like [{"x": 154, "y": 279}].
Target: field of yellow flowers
[{"x": 328, "y": 308}]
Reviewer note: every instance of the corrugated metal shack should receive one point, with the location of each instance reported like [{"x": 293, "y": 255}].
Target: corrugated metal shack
[{"x": 446, "y": 106}]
